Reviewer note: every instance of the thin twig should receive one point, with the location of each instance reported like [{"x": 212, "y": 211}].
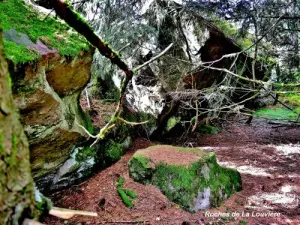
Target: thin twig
[
  {"x": 86, "y": 131},
  {"x": 153, "y": 59},
  {"x": 131, "y": 123}
]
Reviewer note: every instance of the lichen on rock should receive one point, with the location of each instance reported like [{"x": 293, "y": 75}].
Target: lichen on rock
[{"x": 190, "y": 177}]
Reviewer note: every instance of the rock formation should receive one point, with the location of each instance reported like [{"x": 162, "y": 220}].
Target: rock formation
[
  {"x": 48, "y": 74},
  {"x": 190, "y": 177}
]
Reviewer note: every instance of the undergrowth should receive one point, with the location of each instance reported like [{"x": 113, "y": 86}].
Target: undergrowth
[{"x": 276, "y": 114}]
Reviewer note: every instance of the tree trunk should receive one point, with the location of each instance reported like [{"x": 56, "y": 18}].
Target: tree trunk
[{"x": 16, "y": 184}]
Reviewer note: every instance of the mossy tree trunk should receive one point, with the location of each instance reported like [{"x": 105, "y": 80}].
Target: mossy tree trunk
[{"x": 16, "y": 184}]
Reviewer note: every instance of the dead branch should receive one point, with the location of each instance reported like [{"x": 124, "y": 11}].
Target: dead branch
[
  {"x": 251, "y": 80},
  {"x": 73, "y": 19},
  {"x": 152, "y": 59},
  {"x": 132, "y": 123},
  {"x": 68, "y": 213},
  {"x": 196, "y": 120}
]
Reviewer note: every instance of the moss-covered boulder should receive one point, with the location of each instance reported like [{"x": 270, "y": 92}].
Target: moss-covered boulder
[
  {"x": 189, "y": 177},
  {"x": 49, "y": 65}
]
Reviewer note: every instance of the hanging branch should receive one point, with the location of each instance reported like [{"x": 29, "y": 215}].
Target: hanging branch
[
  {"x": 73, "y": 19},
  {"x": 251, "y": 80}
]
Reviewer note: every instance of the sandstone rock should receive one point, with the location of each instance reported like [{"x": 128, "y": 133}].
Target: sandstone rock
[
  {"x": 49, "y": 65},
  {"x": 190, "y": 177},
  {"x": 47, "y": 95}
]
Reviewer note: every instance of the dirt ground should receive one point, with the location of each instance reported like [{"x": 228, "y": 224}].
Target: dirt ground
[{"x": 266, "y": 155}]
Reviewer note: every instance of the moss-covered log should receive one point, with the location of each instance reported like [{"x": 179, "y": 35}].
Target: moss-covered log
[{"x": 16, "y": 184}]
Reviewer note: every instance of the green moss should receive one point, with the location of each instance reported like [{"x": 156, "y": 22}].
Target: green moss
[
  {"x": 85, "y": 153},
  {"x": 1, "y": 144},
  {"x": 207, "y": 129},
  {"x": 14, "y": 151},
  {"x": 130, "y": 193},
  {"x": 87, "y": 121},
  {"x": 139, "y": 168},
  {"x": 44, "y": 205},
  {"x": 113, "y": 150},
  {"x": 125, "y": 198},
  {"x": 147, "y": 117},
  {"x": 182, "y": 184},
  {"x": 15, "y": 15},
  {"x": 19, "y": 53},
  {"x": 291, "y": 99},
  {"x": 275, "y": 114},
  {"x": 125, "y": 194}
]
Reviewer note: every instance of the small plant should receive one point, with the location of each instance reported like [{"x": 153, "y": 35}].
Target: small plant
[
  {"x": 243, "y": 222},
  {"x": 126, "y": 194}
]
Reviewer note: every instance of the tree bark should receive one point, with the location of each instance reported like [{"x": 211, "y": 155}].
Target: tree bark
[{"x": 16, "y": 184}]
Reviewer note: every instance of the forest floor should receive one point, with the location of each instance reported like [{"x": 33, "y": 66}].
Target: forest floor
[{"x": 267, "y": 156}]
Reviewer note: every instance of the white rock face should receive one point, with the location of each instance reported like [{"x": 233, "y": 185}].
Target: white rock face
[
  {"x": 146, "y": 99},
  {"x": 202, "y": 201},
  {"x": 142, "y": 30}
]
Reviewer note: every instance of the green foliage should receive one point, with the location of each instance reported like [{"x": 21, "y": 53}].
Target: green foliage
[
  {"x": 231, "y": 31},
  {"x": 120, "y": 182},
  {"x": 44, "y": 205},
  {"x": 172, "y": 122},
  {"x": 113, "y": 94},
  {"x": 15, "y": 15},
  {"x": 275, "y": 114},
  {"x": 227, "y": 28},
  {"x": 292, "y": 99}
]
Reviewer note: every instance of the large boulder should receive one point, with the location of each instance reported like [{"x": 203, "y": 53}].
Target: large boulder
[
  {"x": 159, "y": 88},
  {"x": 49, "y": 65},
  {"x": 190, "y": 177}
]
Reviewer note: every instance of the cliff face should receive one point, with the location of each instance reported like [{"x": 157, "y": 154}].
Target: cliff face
[
  {"x": 49, "y": 65},
  {"x": 47, "y": 94}
]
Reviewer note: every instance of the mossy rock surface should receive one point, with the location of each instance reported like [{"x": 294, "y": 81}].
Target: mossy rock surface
[
  {"x": 189, "y": 177},
  {"x": 30, "y": 34}
]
